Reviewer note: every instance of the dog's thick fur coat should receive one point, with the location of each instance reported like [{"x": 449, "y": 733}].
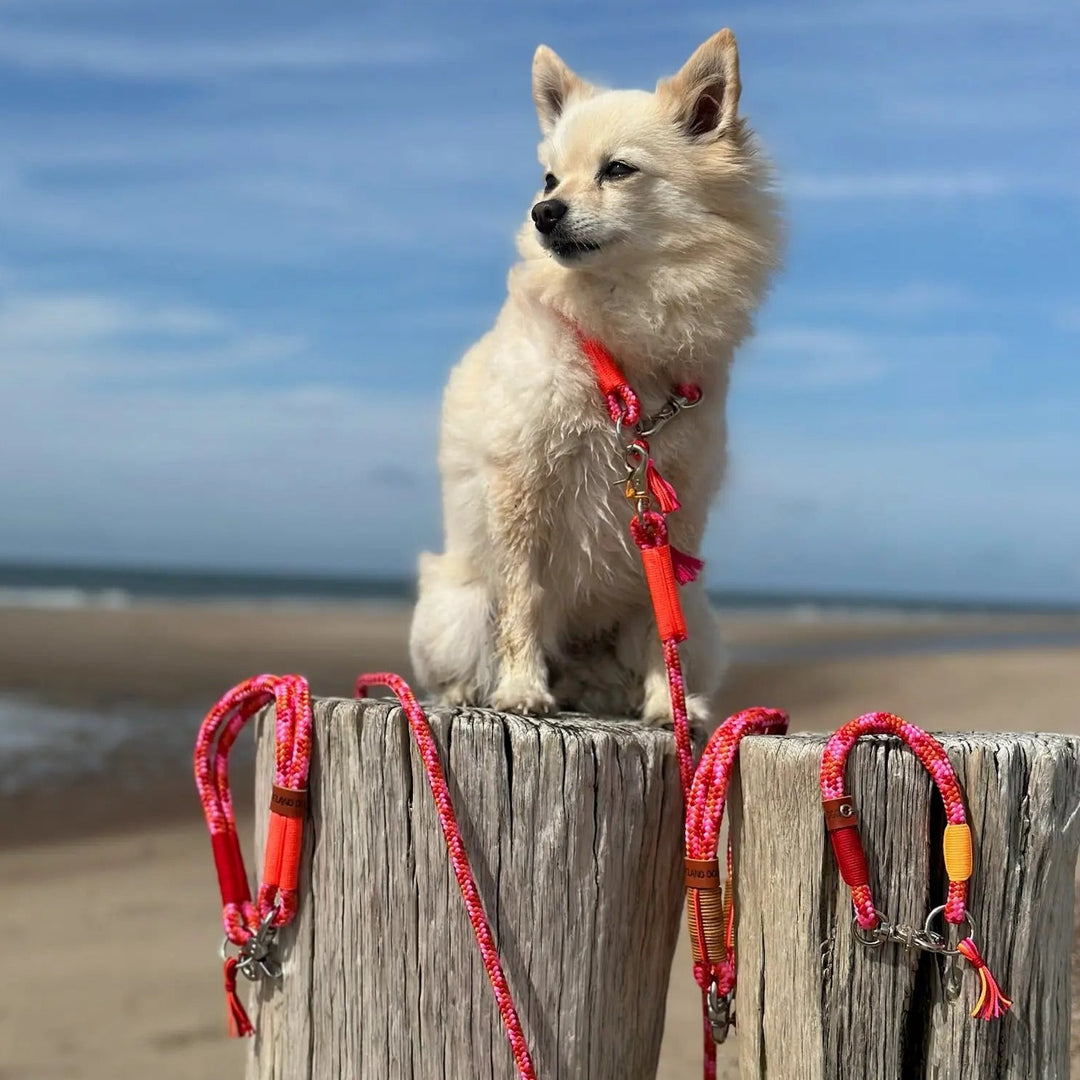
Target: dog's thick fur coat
[{"x": 538, "y": 600}]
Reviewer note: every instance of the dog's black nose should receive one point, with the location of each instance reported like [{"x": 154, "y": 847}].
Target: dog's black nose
[{"x": 548, "y": 213}]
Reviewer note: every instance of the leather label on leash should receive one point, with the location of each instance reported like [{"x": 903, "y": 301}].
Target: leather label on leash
[
  {"x": 702, "y": 874},
  {"x": 288, "y": 803},
  {"x": 840, "y": 813}
]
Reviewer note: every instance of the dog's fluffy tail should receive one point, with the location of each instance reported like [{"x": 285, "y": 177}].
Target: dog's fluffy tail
[{"x": 451, "y": 640}]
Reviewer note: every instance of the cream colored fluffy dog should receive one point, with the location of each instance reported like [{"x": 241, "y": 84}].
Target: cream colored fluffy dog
[{"x": 656, "y": 233}]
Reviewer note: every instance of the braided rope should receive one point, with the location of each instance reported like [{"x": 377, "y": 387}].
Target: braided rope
[
  {"x": 459, "y": 860},
  {"x": 704, "y": 819},
  {"x": 218, "y": 732},
  {"x": 934, "y": 759}
]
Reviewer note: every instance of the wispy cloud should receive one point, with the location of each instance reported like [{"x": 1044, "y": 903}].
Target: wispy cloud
[
  {"x": 905, "y": 300},
  {"x": 804, "y": 358},
  {"x": 159, "y": 59},
  {"x": 941, "y": 186},
  {"x": 53, "y": 339},
  {"x": 791, "y": 18},
  {"x": 1023, "y": 108},
  {"x": 136, "y": 455},
  {"x": 800, "y": 359}
]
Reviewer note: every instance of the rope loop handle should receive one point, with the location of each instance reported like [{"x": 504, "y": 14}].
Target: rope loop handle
[
  {"x": 277, "y": 897},
  {"x": 842, "y": 819},
  {"x": 710, "y": 907},
  {"x": 842, "y": 824},
  {"x": 251, "y": 925}
]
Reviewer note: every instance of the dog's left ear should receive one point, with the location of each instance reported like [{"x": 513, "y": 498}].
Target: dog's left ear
[{"x": 705, "y": 93}]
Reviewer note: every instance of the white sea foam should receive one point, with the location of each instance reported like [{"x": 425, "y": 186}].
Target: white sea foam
[
  {"x": 62, "y": 598},
  {"x": 44, "y": 742}
]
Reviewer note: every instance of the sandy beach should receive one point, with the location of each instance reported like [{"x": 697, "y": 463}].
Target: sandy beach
[{"x": 106, "y": 882}]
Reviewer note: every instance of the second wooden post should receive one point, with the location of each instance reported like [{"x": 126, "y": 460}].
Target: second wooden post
[{"x": 814, "y": 1004}]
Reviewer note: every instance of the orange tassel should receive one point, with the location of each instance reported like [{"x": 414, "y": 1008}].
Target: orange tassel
[
  {"x": 239, "y": 1024},
  {"x": 992, "y": 1002}
]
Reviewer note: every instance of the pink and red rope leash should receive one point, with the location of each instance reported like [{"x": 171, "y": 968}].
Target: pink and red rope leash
[
  {"x": 252, "y": 925},
  {"x": 459, "y": 860},
  {"x": 842, "y": 823},
  {"x": 710, "y": 907}
]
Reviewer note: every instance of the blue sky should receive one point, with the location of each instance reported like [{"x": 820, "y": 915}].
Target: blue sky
[{"x": 242, "y": 245}]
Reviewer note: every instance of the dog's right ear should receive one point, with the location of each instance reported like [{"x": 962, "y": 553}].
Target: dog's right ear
[{"x": 554, "y": 85}]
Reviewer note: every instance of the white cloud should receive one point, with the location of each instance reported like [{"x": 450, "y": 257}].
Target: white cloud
[
  {"x": 899, "y": 185},
  {"x": 158, "y": 59},
  {"x": 28, "y": 319},
  {"x": 48, "y": 339},
  {"x": 904, "y": 300},
  {"x": 239, "y": 470},
  {"x": 801, "y": 358},
  {"x": 1022, "y": 110}
]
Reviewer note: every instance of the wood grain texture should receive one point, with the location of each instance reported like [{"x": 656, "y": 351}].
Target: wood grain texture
[
  {"x": 573, "y": 827},
  {"x": 882, "y": 1014}
]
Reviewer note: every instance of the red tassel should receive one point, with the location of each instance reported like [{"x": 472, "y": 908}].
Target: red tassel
[
  {"x": 667, "y": 502},
  {"x": 992, "y": 1003},
  {"x": 687, "y": 567},
  {"x": 239, "y": 1024}
]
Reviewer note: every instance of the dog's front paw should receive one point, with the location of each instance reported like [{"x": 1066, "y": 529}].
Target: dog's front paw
[
  {"x": 458, "y": 695},
  {"x": 699, "y": 709},
  {"x": 523, "y": 696}
]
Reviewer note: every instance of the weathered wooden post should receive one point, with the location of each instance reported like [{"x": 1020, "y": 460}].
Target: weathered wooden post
[
  {"x": 573, "y": 826},
  {"x": 883, "y": 1014}
]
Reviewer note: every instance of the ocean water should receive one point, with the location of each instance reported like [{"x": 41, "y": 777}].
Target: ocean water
[
  {"x": 58, "y": 586},
  {"x": 41, "y": 744},
  {"x": 31, "y": 585}
]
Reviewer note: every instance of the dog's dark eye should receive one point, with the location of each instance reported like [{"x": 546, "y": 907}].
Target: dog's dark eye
[
  {"x": 550, "y": 183},
  {"x": 616, "y": 170}
]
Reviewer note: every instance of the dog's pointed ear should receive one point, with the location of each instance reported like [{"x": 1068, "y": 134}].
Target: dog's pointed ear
[
  {"x": 554, "y": 86},
  {"x": 704, "y": 95}
]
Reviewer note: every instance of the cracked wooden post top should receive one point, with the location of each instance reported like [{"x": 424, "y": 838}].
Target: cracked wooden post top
[{"x": 573, "y": 826}]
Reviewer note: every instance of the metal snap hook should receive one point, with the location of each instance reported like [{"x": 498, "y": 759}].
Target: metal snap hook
[
  {"x": 721, "y": 1012},
  {"x": 933, "y": 937}
]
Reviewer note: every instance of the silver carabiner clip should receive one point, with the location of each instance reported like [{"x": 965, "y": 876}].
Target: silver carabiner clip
[
  {"x": 255, "y": 959},
  {"x": 721, "y": 1012}
]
